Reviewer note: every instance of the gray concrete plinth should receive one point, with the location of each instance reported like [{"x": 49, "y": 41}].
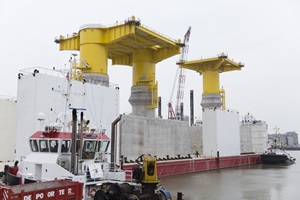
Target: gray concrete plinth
[
  {"x": 97, "y": 79},
  {"x": 158, "y": 137},
  {"x": 211, "y": 101},
  {"x": 139, "y": 99}
]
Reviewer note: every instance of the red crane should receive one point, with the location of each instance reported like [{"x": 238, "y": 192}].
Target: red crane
[{"x": 176, "y": 114}]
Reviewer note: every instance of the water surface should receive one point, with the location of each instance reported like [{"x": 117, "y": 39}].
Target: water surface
[{"x": 260, "y": 182}]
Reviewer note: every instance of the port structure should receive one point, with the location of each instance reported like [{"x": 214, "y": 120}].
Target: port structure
[
  {"x": 125, "y": 43},
  {"x": 210, "y": 68}
]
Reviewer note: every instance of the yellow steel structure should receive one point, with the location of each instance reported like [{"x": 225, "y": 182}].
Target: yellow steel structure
[
  {"x": 210, "y": 68},
  {"x": 222, "y": 92},
  {"x": 127, "y": 43}
]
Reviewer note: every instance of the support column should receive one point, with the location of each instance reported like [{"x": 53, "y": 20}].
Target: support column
[
  {"x": 211, "y": 92},
  {"x": 143, "y": 80},
  {"x": 93, "y": 56}
]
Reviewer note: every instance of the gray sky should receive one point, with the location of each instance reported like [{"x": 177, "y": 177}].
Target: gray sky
[{"x": 264, "y": 35}]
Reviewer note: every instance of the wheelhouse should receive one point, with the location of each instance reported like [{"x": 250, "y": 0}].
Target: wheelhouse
[{"x": 61, "y": 142}]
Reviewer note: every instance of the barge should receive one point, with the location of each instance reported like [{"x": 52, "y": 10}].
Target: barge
[{"x": 47, "y": 96}]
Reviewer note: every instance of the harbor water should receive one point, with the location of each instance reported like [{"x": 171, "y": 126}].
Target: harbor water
[{"x": 259, "y": 182}]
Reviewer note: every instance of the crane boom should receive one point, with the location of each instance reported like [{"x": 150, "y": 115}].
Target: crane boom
[
  {"x": 181, "y": 79},
  {"x": 180, "y": 93},
  {"x": 185, "y": 47}
]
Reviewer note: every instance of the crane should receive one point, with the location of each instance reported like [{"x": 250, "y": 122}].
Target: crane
[{"x": 181, "y": 80}]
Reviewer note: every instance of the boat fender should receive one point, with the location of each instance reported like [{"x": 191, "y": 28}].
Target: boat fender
[{"x": 166, "y": 194}]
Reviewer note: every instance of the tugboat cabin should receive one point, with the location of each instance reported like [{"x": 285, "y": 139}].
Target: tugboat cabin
[{"x": 53, "y": 141}]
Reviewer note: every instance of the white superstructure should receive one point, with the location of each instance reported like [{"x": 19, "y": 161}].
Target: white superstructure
[
  {"x": 254, "y": 134},
  {"x": 45, "y": 92},
  {"x": 220, "y": 132},
  {"x": 8, "y": 117}
]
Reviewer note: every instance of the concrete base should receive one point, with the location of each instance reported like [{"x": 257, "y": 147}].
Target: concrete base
[
  {"x": 211, "y": 101},
  {"x": 139, "y": 99},
  {"x": 97, "y": 79},
  {"x": 158, "y": 137}
]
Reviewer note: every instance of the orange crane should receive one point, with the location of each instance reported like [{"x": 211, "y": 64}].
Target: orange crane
[{"x": 181, "y": 80}]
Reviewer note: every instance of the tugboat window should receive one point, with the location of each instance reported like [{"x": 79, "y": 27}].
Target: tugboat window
[
  {"x": 34, "y": 146},
  {"x": 44, "y": 146},
  {"x": 65, "y": 146},
  {"x": 53, "y": 146},
  {"x": 104, "y": 146},
  {"x": 89, "y": 148}
]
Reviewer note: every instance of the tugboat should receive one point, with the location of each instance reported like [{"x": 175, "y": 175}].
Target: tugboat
[
  {"x": 73, "y": 165},
  {"x": 277, "y": 155}
]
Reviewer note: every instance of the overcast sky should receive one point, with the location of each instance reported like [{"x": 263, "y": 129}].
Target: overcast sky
[{"x": 264, "y": 35}]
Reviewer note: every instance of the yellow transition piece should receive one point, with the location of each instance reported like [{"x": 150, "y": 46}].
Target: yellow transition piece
[{"x": 127, "y": 43}]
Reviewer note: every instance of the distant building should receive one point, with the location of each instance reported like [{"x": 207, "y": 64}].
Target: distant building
[
  {"x": 253, "y": 134},
  {"x": 292, "y": 139},
  {"x": 288, "y": 139}
]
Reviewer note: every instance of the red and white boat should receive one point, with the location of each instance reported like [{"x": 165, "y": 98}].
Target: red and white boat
[{"x": 74, "y": 165}]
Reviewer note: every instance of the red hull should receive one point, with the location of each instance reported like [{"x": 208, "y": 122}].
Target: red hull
[
  {"x": 50, "y": 190},
  {"x": 173, "y": 167}
]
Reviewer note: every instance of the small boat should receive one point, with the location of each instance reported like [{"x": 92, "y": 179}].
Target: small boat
[{"x": 276, "y": 155}]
